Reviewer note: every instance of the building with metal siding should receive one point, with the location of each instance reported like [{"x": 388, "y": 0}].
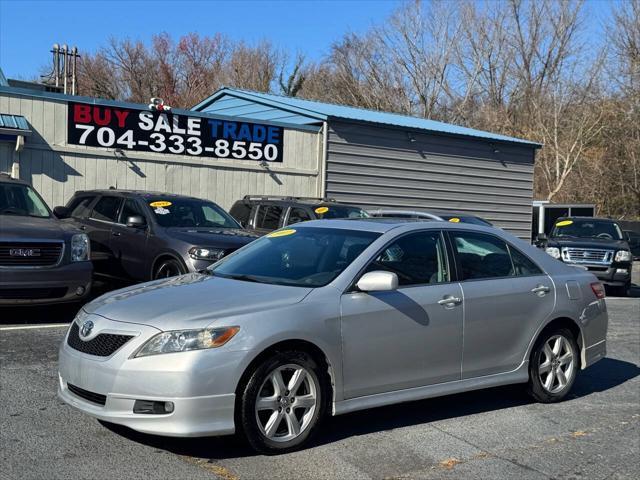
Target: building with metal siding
[
  {"x": 374, "y": 159},
  {"x": 380, "y": 159},
  {"x": 57, "y": 169}
]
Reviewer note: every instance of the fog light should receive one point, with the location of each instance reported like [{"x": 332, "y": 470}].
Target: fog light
[
  {"x": 152, "y": 407},
  {"x": 622, "y": 270},
  {"x": 80, "y": 291}
]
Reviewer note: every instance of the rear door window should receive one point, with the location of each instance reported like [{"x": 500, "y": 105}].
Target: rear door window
[
  {"x": 522, "y": 264},
  {"x": 269, "y": 217},
  {"x": 106, "y": 209},
  {"x": 481, "y": 256}
]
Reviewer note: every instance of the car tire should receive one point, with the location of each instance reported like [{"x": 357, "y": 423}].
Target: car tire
[
  {"x": 274, "y": 419},
  {"x": 169, "y": 268},
  {"x": 623, "y": 291},
  {"x": 554, "y": 365}
]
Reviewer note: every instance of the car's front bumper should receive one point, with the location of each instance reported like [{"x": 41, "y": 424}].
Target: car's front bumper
[
  {"x": 30, "y": 286},
  {"x": 192, "y": 417},
  {"x": 615, "y": 275},
  {"x": 201, "y": 384}
]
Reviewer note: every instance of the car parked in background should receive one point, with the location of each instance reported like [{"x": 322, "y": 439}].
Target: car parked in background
[
  {"x": 42, "y": 260},
  {"x": 419, "y": 215},
  {"x": 330, "y": 317},
  {"x": 633, "y": 239},
  {"x": 595, "y": 244},
  {"x": 138, "y": 236},
  {"x": 263, "y": 214}
]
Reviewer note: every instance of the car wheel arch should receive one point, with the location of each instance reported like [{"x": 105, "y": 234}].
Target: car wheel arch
[
  {"x": 165, "y": 256},
  {"x": 561, "y": 322},
  {"x": 292, "y": 344}
]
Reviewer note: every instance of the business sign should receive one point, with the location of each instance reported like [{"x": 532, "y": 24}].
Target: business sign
[{"x": 167, "y": 132}]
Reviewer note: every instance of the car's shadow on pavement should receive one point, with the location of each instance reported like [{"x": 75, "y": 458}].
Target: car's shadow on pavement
[{"x": 604, "y": 375}]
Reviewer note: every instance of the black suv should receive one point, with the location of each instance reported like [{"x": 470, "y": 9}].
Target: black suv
[
  {"x": 42, "y": 260},
  {"x": 596, "y": 244},
  {"x": 144, "y": 235},
  {"x": 265, "y": 214}
]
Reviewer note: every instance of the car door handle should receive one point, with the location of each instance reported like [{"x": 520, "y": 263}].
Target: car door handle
[
  {"x": 541, "y": 290},
  {"x": 116, "y": 234},
  {"x": 82, "y": 227},
  {"x": 449, "y": 300}
]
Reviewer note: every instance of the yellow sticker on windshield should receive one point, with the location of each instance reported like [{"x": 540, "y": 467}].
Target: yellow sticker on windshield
[
  {"x": 160, "y": 204},
  {"x": 564, "y": 223},
  {"x": 321, "y": 210},
  {"x": 282, "y": 233},
  {"x": 454, "y": 220}
]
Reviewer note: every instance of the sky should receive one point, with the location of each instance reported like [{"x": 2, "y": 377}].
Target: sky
[{"x": 28, "y": 29}]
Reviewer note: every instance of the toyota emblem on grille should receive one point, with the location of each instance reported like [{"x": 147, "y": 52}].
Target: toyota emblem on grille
[
  {"x": 24, "y": 252},
  {"x": 86, "y": 328}
]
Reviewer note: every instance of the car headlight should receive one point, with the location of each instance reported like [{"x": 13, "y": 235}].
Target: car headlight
[
  {"x": 206, "y": 253},
  {"x": 80, "y": 247},
  {"x": 185, "y": 340},
  {"x": 623, "y": 256},
  {"x": 553, "y": 251}
]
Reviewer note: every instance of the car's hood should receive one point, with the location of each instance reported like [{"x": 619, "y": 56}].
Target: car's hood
[
  {"x": 213, "y": 237},
  {"x": 600, "y": 243},
  {"x": 191, "y": 301},
  {"x": 15, "y": 226}
]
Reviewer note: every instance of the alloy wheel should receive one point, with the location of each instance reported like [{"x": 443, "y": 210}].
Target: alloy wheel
[
  {"x": 286, "y": 403},
  {"x": 557, "y": 364}
]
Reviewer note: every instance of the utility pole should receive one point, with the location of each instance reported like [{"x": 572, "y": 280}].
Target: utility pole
[{"x": 64, "y": 74}]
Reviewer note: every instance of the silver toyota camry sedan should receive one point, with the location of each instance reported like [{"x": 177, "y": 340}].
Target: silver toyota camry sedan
[{"x": 328, "y": 317}]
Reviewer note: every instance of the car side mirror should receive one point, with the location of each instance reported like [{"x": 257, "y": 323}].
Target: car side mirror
[
  {"x": 136, "y": 221},
  {"x": 541, "y": 239},
  {"x": 61, "y": 212},
  {"x": 378, "y": 281}
]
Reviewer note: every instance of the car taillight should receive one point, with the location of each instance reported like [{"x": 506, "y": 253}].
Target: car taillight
[{"x": 598, "y": 289}]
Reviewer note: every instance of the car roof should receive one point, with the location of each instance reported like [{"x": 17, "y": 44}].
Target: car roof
[
  {"x": 135, "y": 193},
  {"x": 313, "y": 202},
  {"x": 586, "y": 218},
  {"x": 4, "y": 178},
  {"x": 385, "y": 224},
  {"x": 391, "y": 211}
]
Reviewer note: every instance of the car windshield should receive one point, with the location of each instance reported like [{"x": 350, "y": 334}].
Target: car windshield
[
  {"x": 303, "y": 257},
  {"x": 189, "y": 213},
  {"x": 587, "y": 228},
  {"x": 340, "y": 211},
  {"x": 21, "y": 200}
]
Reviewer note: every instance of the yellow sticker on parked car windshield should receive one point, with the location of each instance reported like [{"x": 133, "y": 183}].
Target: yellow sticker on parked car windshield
[
  {"x": 321, "y": 210},
  {"x": 160, "y": 203},
  {"x": 454, "y": 220},
  {"x": 282, "y": 233},
  {"x": 564, "y": 223}
]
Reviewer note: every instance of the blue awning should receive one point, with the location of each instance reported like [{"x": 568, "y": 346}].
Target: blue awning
[{"x": 14, "y": 125}]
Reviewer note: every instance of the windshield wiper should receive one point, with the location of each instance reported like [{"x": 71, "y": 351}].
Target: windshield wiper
[{"x": 246, "y": 278}]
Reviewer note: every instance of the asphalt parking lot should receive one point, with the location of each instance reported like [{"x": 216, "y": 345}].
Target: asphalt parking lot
[{"x": 497, "y": 433}]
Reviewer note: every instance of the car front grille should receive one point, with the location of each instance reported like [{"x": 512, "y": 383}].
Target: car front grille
[
  {"x": 587, "y": 255},
  {"x": 32, "y": 293},
  {"x": 103, "y": 345},
  {"x": 87, "y": 395},
  {"x": 30, "y": 254}
]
